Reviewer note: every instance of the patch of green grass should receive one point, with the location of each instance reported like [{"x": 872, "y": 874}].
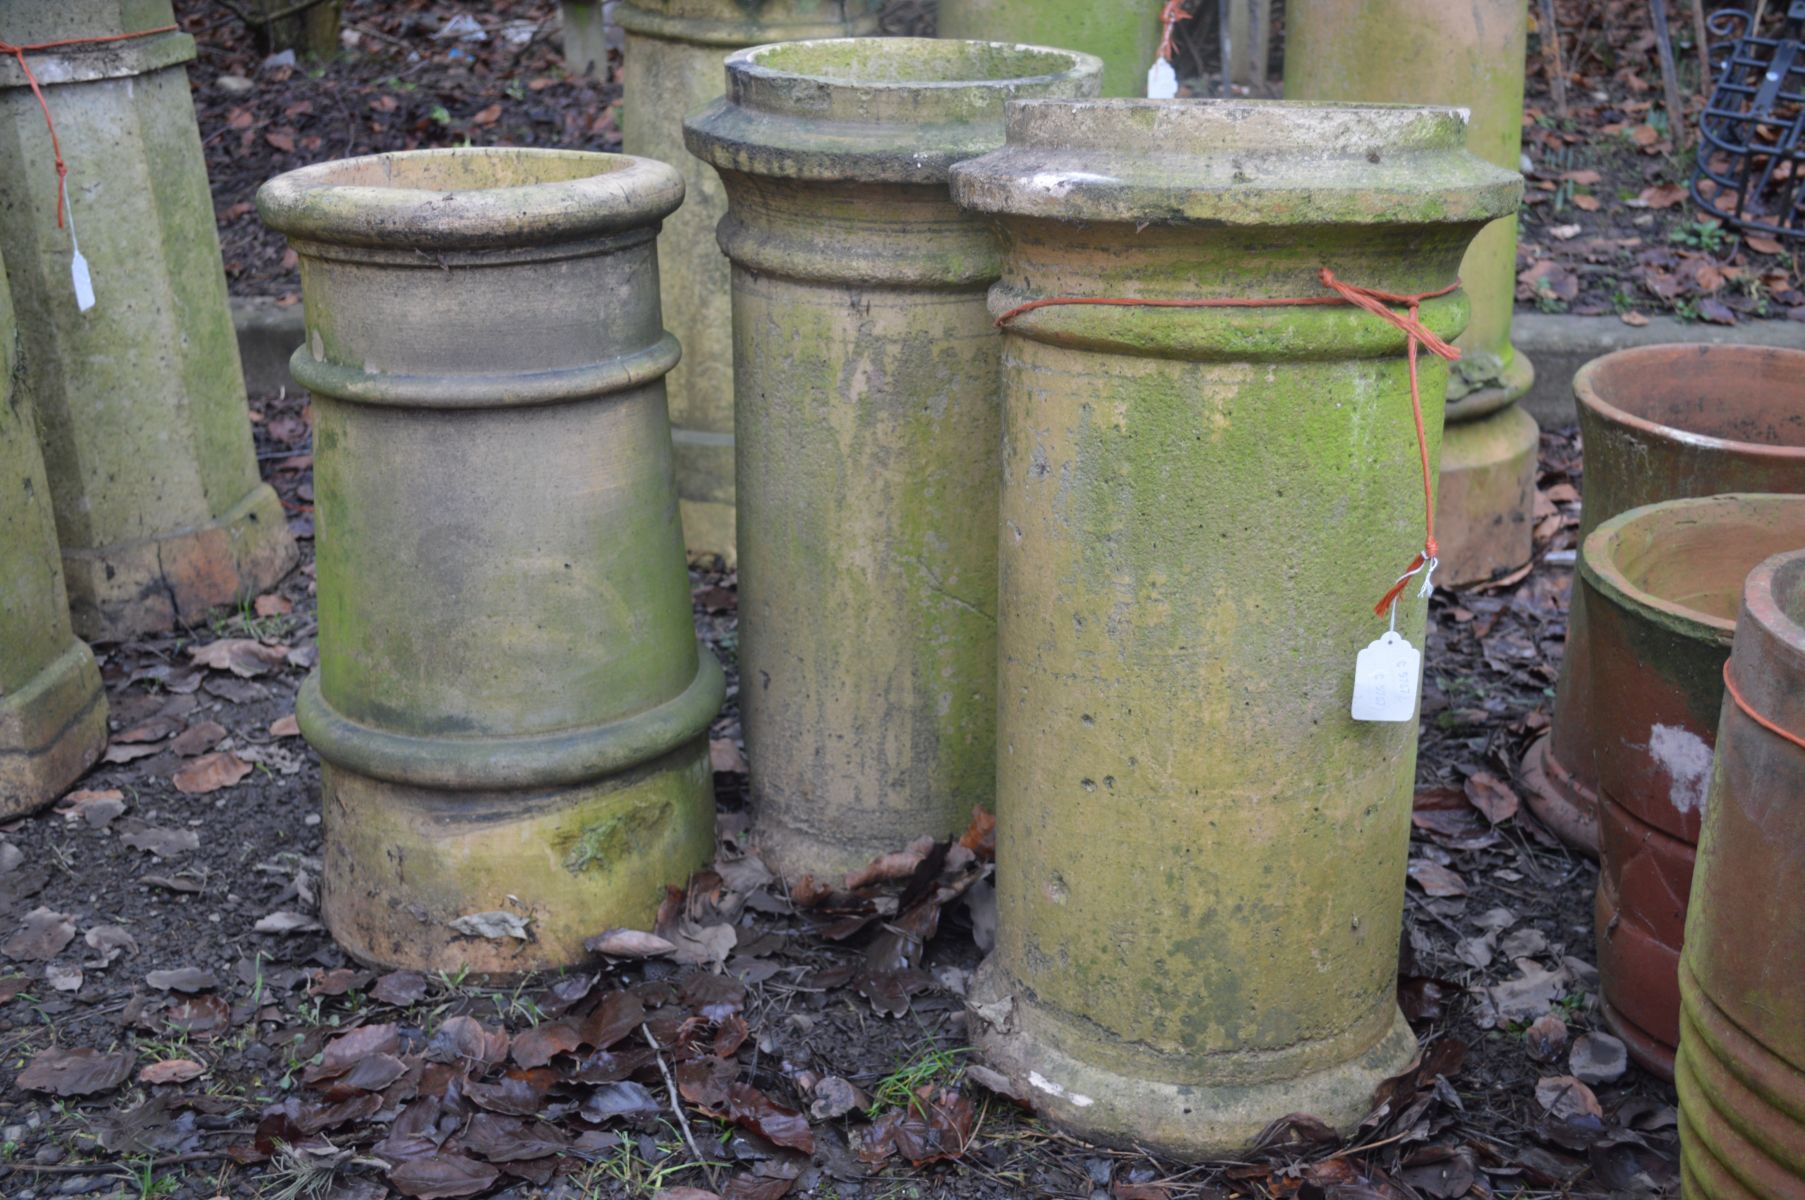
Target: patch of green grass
[{"x": 937, "y": 1064}]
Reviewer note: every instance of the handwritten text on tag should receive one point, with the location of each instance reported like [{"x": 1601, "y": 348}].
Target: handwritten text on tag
[{"x": 1387, "y": 678}]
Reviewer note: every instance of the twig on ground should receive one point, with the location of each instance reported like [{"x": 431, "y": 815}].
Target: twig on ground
[{"x": 670, "y": 1084}]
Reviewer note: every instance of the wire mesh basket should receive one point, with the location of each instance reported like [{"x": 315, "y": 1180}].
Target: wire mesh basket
[{"x": 1751, "y": 152}]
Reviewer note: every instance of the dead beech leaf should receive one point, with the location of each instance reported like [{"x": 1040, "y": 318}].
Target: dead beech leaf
[
  {"x": 1435, "y": 879},
  {"x": 1645, "y": 135},
  {"x": 629, "y": 943},
  {"x": 487, "y": 116},
  {"x": 209, "y": 773},
  {"x": 1662, "y": 195},
  {"x": 1634, "y": 318},
  {"x": 752, "y": 1109},
  {"x": 1545, "y": 1038},
  {"x": 41, "y": 936},
  {"x": 1584, "y": 202},
  {"x": 1598, "y": 1058},
  {"x": 244, "y": 657},
  {"x": 1763, "y": 245},
  {"x": 442, "y": 1176},
  {"x": 164, "y": 843},
  {"x": 198, "y": 738},
  {"x": 285, "y": 727},
  {"x": 272, "y": 605},
  {"x": 183, "y": 979},
  {"x": 98, "y": 808},
  {"x": 1492, "y": 797},
  {"x": 121, "y": 752},
  {"x": 110, "y": 941},
  {"x": 1563, "y": 1097},
  {"x": 1585, "y": 177},
  {"x": 400, "y": 988},
  {"x": 81, "y": 1072},
  {"x": 171, "y": 1070},
  {"x": 284, "y": 921},
  {"x": 725, "y": 758}
]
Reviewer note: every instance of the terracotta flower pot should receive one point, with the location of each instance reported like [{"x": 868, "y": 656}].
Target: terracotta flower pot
[
  {"x": 139, "y": 400},
  {"x": 1123, "y": 33},
  {"x": 53, "y": 712},
  {"x": 672, "y": 70},
  {"x": 866, "y": 418},
  {"x": 511, "y": 705},
  {"x": 1741, "y": 1065},
  {"x": 1199, "y": 508},
  {"x": 1660, "y": 423},
  {"x": 1467, "y": 53},
  {"x": 1662, "y": 585}
]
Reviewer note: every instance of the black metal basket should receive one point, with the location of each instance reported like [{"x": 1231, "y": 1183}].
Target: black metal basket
[{"x": 1751, "y": 150}]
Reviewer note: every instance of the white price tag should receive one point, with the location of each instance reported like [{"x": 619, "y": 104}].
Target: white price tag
[
  {"x": 1387, "y": 678},
  {"x": 78, "y": 264},
  {"x": 1162, "y": 81},
  {"x": 84, "y": 282}
]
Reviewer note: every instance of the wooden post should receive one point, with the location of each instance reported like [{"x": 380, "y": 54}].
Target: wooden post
[
  {"x": 1249, "y": 40},
  {"x": 1670, "y": 81},
  {"x": 299, "y": 25},
  {"x": 1550, "y": 30}
]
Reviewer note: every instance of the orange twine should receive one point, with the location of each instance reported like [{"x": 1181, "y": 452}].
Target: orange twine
[
  {"x": 1749, "y": 711},
  {"x": 1171, "y": 15},
  {"x": 1371, "y": 300},
  {"x": 56, "y": 146}
]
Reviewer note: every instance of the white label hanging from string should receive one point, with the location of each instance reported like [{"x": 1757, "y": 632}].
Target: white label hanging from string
[
  {"x": 1388, "y": 674},
  {"x": 78, "y": 265},
  {"x": 1162, "y": 80}
]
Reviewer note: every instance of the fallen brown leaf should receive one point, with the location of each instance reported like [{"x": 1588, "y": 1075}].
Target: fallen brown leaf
[
  {"x": 209, "y": 773},
  {"x": 80, "y": 1072},
  {"x": 171, "y": 1070}
]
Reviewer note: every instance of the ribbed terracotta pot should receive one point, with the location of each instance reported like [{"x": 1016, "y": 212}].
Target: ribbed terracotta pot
[
  {"x": 1123, "y": 33},
  {"x": 511, "y": 706},
  {"x": 53, "y": 711},
  {"x": 1663, "y": 584},
  {"x": 1467, "y": 53},
  {"x": 1199, "y": 509},
  {"x": 139, "y": 401},
  {"x": 672, "y": 71},
  {"x": 1659, "y": 423},
  {"x": 1741, "y": 1066},
  {"x": 867, "y": 431}
]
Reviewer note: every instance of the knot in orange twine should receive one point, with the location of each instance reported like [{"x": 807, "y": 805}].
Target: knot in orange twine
[
  {"x": 56, "y": 147},
  {"x": 1379, "y": 304},
  {"x": 1170, "y": 16}
]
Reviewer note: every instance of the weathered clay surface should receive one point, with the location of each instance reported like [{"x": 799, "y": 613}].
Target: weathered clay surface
[
  {"x": 1199, "y": 509},
  {"x": 139, "y": 401},
  {"x": 672, "y": 71},
  {"x": 867, "y": 430},
  {"x": 1660, "y": 423},
  {"x": 53, "y": 712},
  {"x": 511, "y": 704},
  {"x": 1467, "y": 53},
  {"x": 1123, "y": 33},
  {"x": 1663, "y": 585},
  {"x": 1741, "y": 1064}
]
